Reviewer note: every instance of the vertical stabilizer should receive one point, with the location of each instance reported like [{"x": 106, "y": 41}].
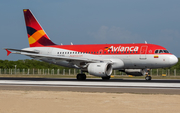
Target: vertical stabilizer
[{"x": 36, "y": 35}]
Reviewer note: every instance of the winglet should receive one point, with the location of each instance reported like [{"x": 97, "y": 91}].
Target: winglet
[{"x": 8, "y": 52}]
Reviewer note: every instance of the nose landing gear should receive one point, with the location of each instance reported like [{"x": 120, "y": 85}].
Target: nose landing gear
[{"x": 148, "y": 78}]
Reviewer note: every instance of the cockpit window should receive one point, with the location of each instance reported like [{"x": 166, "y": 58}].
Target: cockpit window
[
  {"x": 166, "y": 51},
  {"x": 156, "y": 51},
  {"x": 161, "y": 51}
]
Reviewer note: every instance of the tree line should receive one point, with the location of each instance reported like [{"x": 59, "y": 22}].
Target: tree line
[{"x": 30, "y": 64}]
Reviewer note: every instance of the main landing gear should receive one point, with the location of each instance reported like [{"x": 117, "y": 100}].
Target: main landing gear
[
  {"x": 106, "y": 78},
  {"x": 81, "y": 76}
]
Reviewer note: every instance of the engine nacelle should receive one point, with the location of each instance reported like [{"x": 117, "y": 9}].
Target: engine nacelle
[
  {"x": 100, "y": 69},
  {"x": 135, "y": 72},
  {"x": 117, "y": 63}
]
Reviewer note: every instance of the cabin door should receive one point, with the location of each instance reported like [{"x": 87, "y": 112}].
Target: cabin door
[
  {"x": 100, "y": 52},
  {"x": 143, "y": 52},
  {"x": 50, "y": 51}
]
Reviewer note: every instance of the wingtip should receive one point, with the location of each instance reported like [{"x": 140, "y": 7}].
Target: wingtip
[{"x": 8, "y": 52}]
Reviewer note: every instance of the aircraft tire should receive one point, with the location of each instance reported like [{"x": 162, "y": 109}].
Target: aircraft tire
[
  {"x": 148, "y": 78},
  {"x": 106, "y": 78},
  {"x": 81, "y": 76}
]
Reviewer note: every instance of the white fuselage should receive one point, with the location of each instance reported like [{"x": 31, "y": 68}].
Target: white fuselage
[{"x": 120, "y": 61}]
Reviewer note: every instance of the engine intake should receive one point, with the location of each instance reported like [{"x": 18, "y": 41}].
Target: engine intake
[{"x": 100, "y": 69}]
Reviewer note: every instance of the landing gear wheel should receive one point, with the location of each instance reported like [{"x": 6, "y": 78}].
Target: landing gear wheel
[
  {"x": 81, "y": 77},
  {"x": 148, "y": 78},
  {"x": 106, "y": 78}
]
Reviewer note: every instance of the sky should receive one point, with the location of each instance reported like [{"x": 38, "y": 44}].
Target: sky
[{"x": 92, "y": 22}]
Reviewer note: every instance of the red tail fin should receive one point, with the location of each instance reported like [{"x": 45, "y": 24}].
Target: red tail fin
[{"x": 36, "y": 35}]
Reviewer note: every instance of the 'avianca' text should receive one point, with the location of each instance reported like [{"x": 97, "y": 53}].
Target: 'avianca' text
[{"x": 122, "y": 48}]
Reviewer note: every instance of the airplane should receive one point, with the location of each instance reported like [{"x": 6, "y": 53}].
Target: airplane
[{"x": 97, "y": 59}]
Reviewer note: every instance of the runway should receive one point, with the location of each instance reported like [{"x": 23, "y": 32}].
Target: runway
[{"x": 92, "y": 85}]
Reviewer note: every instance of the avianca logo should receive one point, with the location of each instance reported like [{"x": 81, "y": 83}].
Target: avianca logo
[
  {"x": 122, "y": 48},
  {"x": 108, "y": 48}
]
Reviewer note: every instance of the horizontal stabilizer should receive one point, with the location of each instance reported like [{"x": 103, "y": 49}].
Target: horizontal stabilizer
[{"x": 9, "y": 52}]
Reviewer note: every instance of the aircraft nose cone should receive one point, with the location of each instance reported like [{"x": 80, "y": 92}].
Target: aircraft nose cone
[{"x": 173, "y": 60}]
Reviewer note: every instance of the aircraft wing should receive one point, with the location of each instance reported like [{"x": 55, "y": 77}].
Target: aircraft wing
[
  {"x": 36, "y": 55},
  {"x": 55, "y": 57}
]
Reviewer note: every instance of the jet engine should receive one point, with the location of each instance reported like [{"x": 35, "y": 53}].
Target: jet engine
[{"x": 100, "y": 69}]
